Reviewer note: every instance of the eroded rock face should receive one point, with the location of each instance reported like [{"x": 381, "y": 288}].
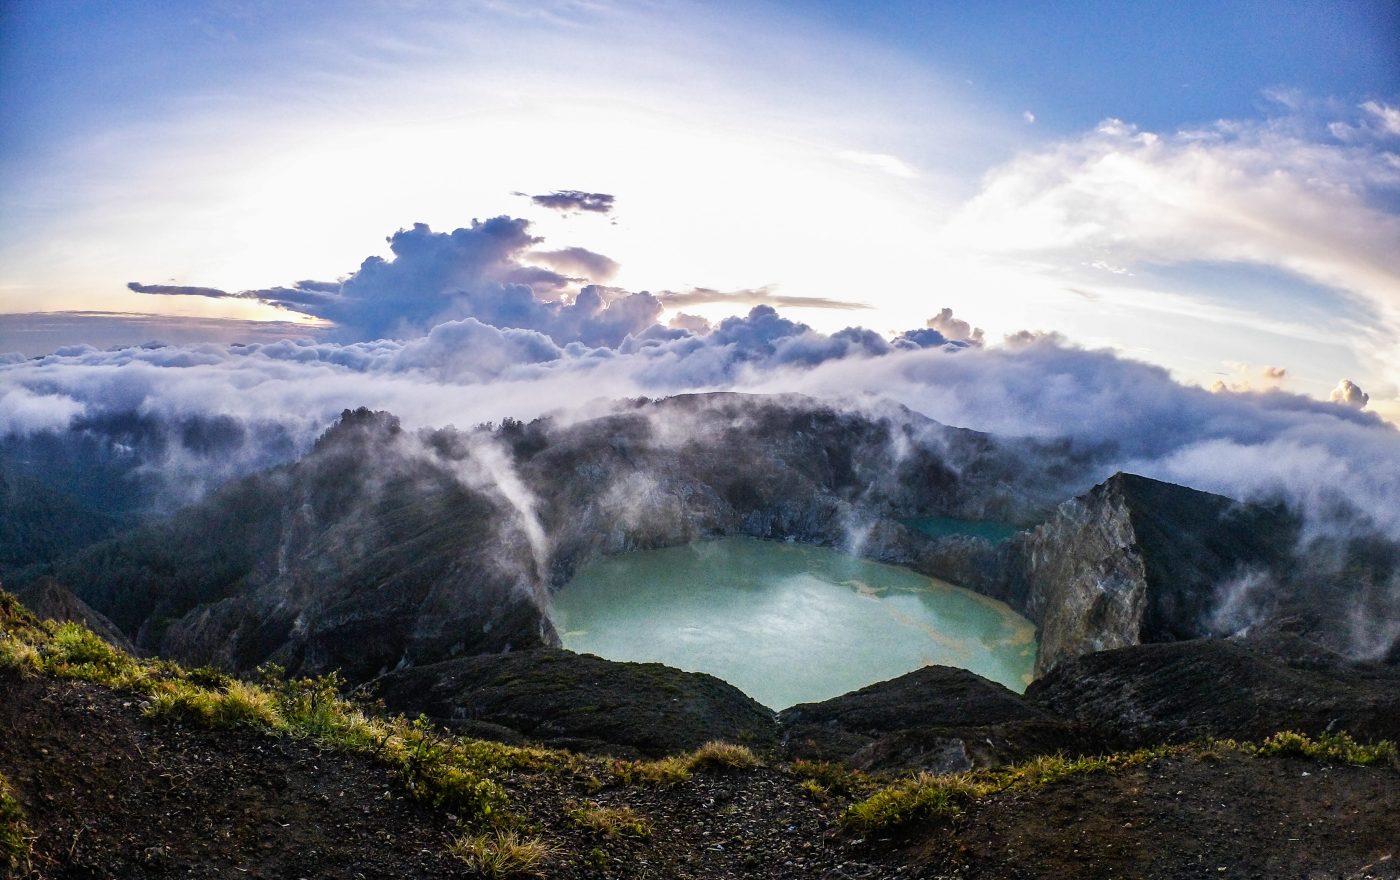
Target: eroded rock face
[
  {"x": 780, "y": 467},
  {"x": 581, "y": 702},
  {"x": 1136, "y": 560}
]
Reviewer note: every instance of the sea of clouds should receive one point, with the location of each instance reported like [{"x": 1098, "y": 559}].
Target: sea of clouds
[{"x": 481, "y": 323}]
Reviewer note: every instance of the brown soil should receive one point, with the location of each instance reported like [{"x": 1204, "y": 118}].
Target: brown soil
[{"x": 111, "y": 795}]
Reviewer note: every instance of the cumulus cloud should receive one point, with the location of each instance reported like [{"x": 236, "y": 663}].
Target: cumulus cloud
[
  {"x": 1247, "y": 377},
  {"x": 1348, "y": 393},
  {"x": 480, "y": 271},
  {"x": 689, "y": 323},
  {"x": 955, "y": 329},
  {"x": 570, "y": 201}
]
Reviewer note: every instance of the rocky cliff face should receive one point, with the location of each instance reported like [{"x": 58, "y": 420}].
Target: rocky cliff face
[
  {"x": 670, "y": 472},
  {"x": 1136, "y": 560}
]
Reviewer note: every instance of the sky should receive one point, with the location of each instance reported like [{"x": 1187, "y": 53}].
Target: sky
[
  {"x": 1209, "y": 187},
  {"x": 1160, "y": 238}
]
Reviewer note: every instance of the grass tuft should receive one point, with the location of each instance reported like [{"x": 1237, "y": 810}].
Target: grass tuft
[
  {"x": 713, "y": 756},
  {"x": 722, "y": 757},
  {"x": 503, "y": 854},
  {"x": 611, "y": 822}
]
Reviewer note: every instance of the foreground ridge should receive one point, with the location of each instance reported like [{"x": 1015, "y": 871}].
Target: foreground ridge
[{"x": 219, "y": 776}]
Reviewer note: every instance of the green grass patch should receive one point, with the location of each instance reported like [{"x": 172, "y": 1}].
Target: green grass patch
[
  {"x": 14, "y": 832},
  {"x": 928, "y": 796},
  {"x": 447, "y": 771},
  {"x": 1339, "y": 747}
]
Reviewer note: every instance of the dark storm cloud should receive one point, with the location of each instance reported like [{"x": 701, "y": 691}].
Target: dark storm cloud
[{"x": 571, "y": 200}]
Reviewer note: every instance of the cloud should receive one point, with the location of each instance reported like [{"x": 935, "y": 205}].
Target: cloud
[
  {"x": 480, "y": 271},
  {"x": 577, "y": 261},
  {"x": 1348, "y": 393},
  {"x": 1250, "y": 378},
  {"x": 37, "y": 333},
  {"x": 1096, "y": 411},
  {"x": 754, "y": 296},
  {"x": 690, "y": 323},
  {"x": 891, "y": 165},
  {"x": 955, "y": 329},
  {"x": 25, "y": 412},
  {"x": 177, "y": 290},
  {"x": 1383, "y": 116},
  {"x": 1278, "y": 194},
  {"x": 571, "y": 201}
]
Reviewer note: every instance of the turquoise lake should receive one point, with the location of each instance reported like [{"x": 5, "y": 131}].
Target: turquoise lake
[{"x": 787, "y": 623}]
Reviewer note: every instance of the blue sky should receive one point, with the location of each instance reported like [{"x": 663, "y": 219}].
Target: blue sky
[{"x": 1212, "y": 187}]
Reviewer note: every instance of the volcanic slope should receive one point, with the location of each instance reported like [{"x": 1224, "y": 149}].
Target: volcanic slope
[{"x": 115, "y": 769}]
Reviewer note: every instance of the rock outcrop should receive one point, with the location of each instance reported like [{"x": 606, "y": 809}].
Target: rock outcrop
[
  {"x": 1136, "y": 560},
  {"x": 580, "y": 702}
]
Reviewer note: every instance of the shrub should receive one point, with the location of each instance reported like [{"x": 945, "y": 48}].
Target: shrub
[
  {"x": 238, "y": 705},
  {"x": 503, "y": 854}
]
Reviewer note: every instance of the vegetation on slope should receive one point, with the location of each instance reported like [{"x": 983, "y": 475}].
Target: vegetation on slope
[
  {"x": 473, "y": 779},
  {"x": 927, "y": 796}
]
